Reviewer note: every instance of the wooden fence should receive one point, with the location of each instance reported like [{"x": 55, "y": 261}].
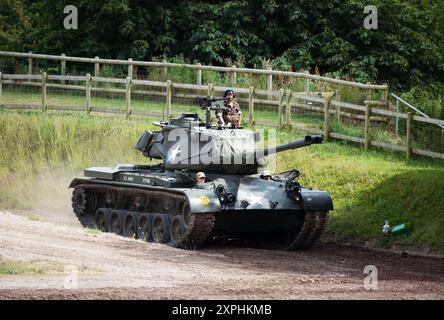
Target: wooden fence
[{"x": 283, "y": 100}]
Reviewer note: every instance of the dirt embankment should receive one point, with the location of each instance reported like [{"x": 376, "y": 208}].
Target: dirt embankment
[{"x": 110, "y": 266}]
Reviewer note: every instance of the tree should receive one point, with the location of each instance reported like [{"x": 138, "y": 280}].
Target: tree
[{"x": 13, "y": 24}]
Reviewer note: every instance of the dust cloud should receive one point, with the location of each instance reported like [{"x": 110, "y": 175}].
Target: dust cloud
[{"x": 46, "y": 197}]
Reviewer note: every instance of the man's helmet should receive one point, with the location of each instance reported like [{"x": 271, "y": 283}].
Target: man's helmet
[{"x": 228, "y": 91}]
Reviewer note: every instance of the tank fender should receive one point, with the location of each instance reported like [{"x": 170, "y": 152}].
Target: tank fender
[
  {"x": 202, "y": 200},
  {"x": 316, "y": 200},
  {"x": 76, "y": 181}
]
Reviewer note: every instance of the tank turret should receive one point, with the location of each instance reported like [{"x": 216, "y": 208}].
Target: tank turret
[{"x": 189, "y": 143}]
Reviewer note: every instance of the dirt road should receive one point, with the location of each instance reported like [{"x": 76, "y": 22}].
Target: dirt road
[{"x": 113, "y": 267}]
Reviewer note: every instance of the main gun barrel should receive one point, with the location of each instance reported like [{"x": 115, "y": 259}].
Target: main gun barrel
[{"x": 298, "y": 143}]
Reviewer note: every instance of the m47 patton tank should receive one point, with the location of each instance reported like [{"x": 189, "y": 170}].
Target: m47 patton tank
[{"x": 163, "y": 203}]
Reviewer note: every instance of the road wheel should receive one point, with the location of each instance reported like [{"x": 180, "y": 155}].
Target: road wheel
[
  {"x": 161, "y": 228},
  {"x": 144, "y": 228},
  {"x": 186, "y": 215},
  {"x": 177, "y": 231},
  {"x": 116, "y": 219},
  {"x": 100, "y": 219},
  {"x": 130, "y": 227}
]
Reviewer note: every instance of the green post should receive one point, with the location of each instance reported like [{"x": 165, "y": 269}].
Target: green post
[{"x": 210, "y": 89}]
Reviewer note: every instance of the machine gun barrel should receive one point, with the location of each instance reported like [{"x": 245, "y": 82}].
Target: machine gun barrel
[
  {"x": 298, "y": 143},
  {"x": 210, "y": 103}
]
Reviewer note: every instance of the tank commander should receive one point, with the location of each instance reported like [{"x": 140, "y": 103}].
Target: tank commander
[
  {"x": 200, "y": 178},
  {"x": 265, "y": 175},
  {"x": 233, "y": 114}
]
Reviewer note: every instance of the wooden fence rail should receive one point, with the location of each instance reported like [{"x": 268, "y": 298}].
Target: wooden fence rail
[
  {"x": 96, "y": 61},
  {"x": 282, "y": 100}
]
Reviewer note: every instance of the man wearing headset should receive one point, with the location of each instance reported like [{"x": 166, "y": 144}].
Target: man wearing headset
[{"x": 233, "y": 114}]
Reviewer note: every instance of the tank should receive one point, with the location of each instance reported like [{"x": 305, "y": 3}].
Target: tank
[{"x": 162, "y": 202}]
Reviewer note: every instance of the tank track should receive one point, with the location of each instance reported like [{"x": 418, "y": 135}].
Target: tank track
[
  {"x": 310, "y": 232},
  {"x": 88, "y": 198}
]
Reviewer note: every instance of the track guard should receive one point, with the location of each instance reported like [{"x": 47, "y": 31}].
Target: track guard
[{"x": 316, "y": 200}]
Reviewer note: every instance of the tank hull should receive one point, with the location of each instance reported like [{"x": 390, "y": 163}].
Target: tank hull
[{"x": 125, "y": 198}]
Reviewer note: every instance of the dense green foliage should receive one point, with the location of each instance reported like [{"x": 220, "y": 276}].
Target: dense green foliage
[{"x": 321, "y": 36}]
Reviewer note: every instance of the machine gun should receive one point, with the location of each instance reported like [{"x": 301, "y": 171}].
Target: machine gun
[{"x": 209, "y": 103}]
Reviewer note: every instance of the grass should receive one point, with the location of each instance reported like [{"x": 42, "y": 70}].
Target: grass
[
  {"x": 8, "y": 267},
  {"x": 93, "y": 231},
  {"x": 39, "y": 154}
]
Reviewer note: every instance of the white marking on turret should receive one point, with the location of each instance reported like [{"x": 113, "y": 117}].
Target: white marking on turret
[
  {"x": 254, "y": 199},
  {"x": 173, "y": 153}
]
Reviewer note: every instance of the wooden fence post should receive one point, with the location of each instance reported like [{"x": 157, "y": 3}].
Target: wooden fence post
[
  {"x": 234, "y": 77},
  {"x": 367, "y": 127},
  {"x": 1, "y": 89},
  {"x": 327, "y": 118},
  {"x": 164, "y": 72},
  {"x": 44, "y": 102},
  {"x": 128, "y": 97},
  {"x": 210, "y": 89},
  {"x": 269, "y": 84},
  {"x": 338, "y": 108},
  {"x": 30, "y": 68},
  {"x": 288, "y": 109},
  {"x": 251, "y": 106},
  {"x": 386, "y": 96},
  {"x": 307, "y": 83},
  {"x": 96, "y": 67},
  {"x": 369, "y": 94},
  {"x": 199, "y": 75},
  {"x": 88, "y": 93},
  {"x": 63, "y": 67},
  {"x": 409, "y": 136},
  {"x": 130, "y": 69},
  {"x": 281, "y": 101},
  {"x": 169, "y": 94}
]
